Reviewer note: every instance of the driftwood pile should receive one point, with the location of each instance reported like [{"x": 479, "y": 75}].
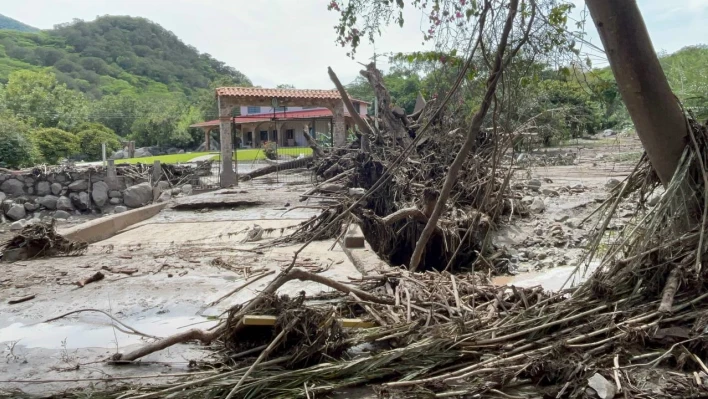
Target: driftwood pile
[
  {"x": 40, "y": 240},
  {"x": 400, "y": 172}
]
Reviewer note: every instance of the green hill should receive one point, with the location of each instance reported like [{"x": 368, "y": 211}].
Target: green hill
[
  {"x": 115, "y": 55},
  {"x": 11, "y": 24}
]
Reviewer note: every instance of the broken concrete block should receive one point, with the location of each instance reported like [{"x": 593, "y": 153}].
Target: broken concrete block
[
  {"x": 354, "y": 238},
  {"x": 603, "y": 388}
]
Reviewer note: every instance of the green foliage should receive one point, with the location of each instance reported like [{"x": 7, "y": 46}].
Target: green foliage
[
  {"x": 16, "y": 150},
  {"x": 38, "y": 99},
  {"x": 687, "y": 72},
  {"x": 91, "y": 136},
  {"x": 114, "y": 55},
  {"x": 54, "y": 144},
  {"x": 11, "y": 24}
]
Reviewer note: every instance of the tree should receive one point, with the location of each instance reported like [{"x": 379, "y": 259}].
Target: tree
[
  {"x": 40, "y": 100},
  {"x": 54, "y": 144},
  {"x": 656, "y": 114},
  {"x": 16, "y": 150},
  {"x": 92, "y": 136}
]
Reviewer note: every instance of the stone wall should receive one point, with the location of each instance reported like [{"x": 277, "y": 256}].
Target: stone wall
[{"x": 33, "y": 195}]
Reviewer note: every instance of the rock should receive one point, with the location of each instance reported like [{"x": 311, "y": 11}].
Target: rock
[
  {"x": 578, "y": 187},
  {"x": 48, "y": 201},
  {"x": 31, "y": 206},
  {"x": 79, "y": 185},
  {"x": 176, "y": 191},
  {"x": 534, "y": 183},
  {"x": 187, "y": 189},
  {"x": 603, "y": 388},
  {"x": 64, "y": 204},
  {"x": 654, "y": 200},
  {"x": 18, "y": 225},
  {"x": 173, "y": 150},
  {"x": 30, "y": 190},
  {"x": 120, "y": 209},
  {"x": 609, "y": 133},
  {"x": 165, "y": 196},
  {"x": 549, "y": 192},
  {"x": 99, "y": 192},
  {"x": 43, "y": 188},
  {"x": 61, "y": 214},
  {"x": 527, "y": 200},
  {"x": 12, "y": 187},
  {"x": 180, "y": 152},
  {"x": 115, "y": 201},
  {"x": 163, "y": 185},
  {"x": 81, "y": 201},
  {"x": 561, "y": 218},
  {"x": 142, "y": 152},
  {"x": 114, "y": 194},
  {"x": 537, "y": 205},
  {"x": 16, "y": 212},
  {"x": 612, "y": 183},
  {"x": 56, "y": 188},
  {"x": 138, "y": 195},
  {"x": 538, "y": 231},
  {"x": 2, "y": 197}
]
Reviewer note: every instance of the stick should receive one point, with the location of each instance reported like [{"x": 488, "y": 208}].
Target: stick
[
  {"x": 667, "y": 296},
  {"x": 96, "y": 277},
  {"x": 616, "y": 373},
  {"x": 313, "y": 190},
  {"x": 240, "y": 287},
  {"x": 105, "y": 313},
  {"x": 360, "y": 122},
  {"x": 20, "y": 300}
]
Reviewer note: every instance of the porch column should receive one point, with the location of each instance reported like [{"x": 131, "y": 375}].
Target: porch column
[
  {"x": 340, "y": 128},
  {"x": 227, "y": 171}
]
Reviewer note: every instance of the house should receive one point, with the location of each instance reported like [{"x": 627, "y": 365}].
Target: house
[{"x": 285, "y": 125}]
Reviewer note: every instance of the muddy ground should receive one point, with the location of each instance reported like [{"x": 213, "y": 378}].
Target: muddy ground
[{"x": 175, "y": 275}]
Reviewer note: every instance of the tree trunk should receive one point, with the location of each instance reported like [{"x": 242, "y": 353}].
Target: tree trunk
[
  {"x": 279, "y": 167},
  {"x": 656, "y": 114}
]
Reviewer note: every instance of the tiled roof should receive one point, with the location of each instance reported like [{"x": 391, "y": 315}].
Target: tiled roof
[{"x": 278, "y": 93}]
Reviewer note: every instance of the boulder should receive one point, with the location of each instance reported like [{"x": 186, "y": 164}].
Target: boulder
[
  {"x": 165, "y": 196},
  {"x": 31, "y": 206},
  {"x": 12, "y": 187},
  {"x": 549, "y": 192},
  {"x": 114, "y": 194},
  {"x": 18, "y": 225},
  {"x": 64, "y": 204},
  {"x": 56, "y": 188},
  {"x": 16, "y": 212},
  {"x": 142, "y": 152},
  {"x": 118, "y": 155},
  {"x": 120, "y": 209},
  {"x": 534, "y": 183},
  {"x": 137, "y": 195},
  {"x": 173, "y": 150},
  {"x": 176, "y": 191},
  {"x": 99, "y": 192},
  {"x": 48, "y": 201},
  {"x": 79, "y": 185},
  {"x": 43, "y": 188},
  {"x": 61, "y": 214},
  {"x": 2, "y": 197},
  {"x": 561, "y": 218},
  {"x": 115, "y": 201},
  {"x": 537, "y": 205},
  {"x": 163, "y": 185},
  {"x": 187, "y": 189},
  {"x": 81, "y": 200}
]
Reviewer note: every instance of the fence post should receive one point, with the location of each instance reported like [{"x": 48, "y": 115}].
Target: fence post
[
  {"x": 112, "y": 175},
  {"x": 156, "y": 172}
]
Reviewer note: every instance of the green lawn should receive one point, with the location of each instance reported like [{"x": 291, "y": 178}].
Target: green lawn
[
  {"x": 244, "y": 155},
  {"x": 167, "y": 159}
]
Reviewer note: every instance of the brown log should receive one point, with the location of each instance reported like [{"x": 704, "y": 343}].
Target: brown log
[
  {"x": 667, "y": 295},
  {"x": 391, "y": 122},
  {"x": 207, "y": 337},
  {"x": 295, "y": 163},
  {"x": 96, "y": 277},
  {"x": 360, "y": 122},
  {"x": 330, "y": 180},
  {"x": 20, "y": 300},
  {"x": 404, "y": 213}
]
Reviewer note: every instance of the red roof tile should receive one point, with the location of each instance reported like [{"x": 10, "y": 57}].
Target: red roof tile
[{"x": 277, "y": 93}]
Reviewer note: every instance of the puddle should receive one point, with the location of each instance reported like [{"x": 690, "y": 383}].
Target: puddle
[
  {"x": 93, "y": 331},
  {"x": 551, "y": 279}
]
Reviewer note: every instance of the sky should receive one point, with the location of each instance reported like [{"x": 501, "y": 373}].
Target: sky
[{"x": 293, "y": 41}]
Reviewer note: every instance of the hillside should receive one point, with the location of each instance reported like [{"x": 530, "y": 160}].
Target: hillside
[
  {"x": 11, "y": 24},
  {"x": 115, "y": 55}
]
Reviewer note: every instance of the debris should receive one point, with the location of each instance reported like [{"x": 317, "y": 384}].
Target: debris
[
  {"x": 42, "y": 240},
  {"x": 603, "y": 388},
  {"x": 98, "y": 276},
  {"x": 21, "y": 299},
  {"x": 537, "y": 205}
]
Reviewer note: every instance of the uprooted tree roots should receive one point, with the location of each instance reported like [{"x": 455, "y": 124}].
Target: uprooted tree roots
[{"x": 42, "y": 240}]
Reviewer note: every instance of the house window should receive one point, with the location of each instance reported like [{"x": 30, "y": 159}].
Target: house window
[
  {"x": 264, "y": 135},
  {"x": 254, "y": 110},
  {"x": 274, "y": 135},
  {"x": 290, "y": 134},
  {"x": 357, "y": 107},
  {"x": 249, "y": 138}
]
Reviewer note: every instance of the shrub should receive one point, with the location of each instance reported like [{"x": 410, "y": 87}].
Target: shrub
[
  {"x": 270, "y": 148},
  {"x": 16, "y": 150},
  {"x": 90, "y": 143},
  {"x": 54, "y": 144}
]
